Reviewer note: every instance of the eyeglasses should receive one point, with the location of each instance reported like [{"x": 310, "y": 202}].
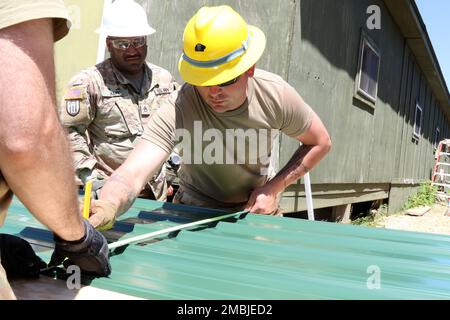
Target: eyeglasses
[
  {"x": 229, "y": 83},
  {"x": 124, "y": 44}
]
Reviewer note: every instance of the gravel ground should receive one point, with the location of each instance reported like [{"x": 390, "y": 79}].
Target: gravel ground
[{"x": 434, "y": 221}]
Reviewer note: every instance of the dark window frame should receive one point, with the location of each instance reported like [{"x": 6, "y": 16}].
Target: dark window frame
[
  {"x": 366, "y": 42},
  {"x": 437, "y": 137},
  {"x": 416, "y": 135}
]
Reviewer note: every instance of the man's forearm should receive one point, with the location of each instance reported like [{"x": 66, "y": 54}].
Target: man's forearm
[
  {"x": 302, "y": 161},
  {"x": 127, "y": 181},
  {"x": 120, "y": 191},
  {"x": 316, "y": 144},
  {"x": 34, "y": 152},
  {"x": 294, "y": 169}
]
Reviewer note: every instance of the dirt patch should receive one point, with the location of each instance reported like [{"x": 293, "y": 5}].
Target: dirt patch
[{"x": 433, "y": 221}]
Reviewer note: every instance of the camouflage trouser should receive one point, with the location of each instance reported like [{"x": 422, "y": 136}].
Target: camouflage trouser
[
  {"x": 158, "y": 185},
  {"x": 156, "y": 189},
  {"x": 6, "y": 292},
  {"x": 184, "y": 197}
]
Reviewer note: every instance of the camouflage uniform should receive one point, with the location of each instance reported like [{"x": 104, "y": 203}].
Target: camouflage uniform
[{"x": 105, "y": 114}]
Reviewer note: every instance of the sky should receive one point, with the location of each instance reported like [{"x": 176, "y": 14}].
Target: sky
[{"x": 436, "y": 15}]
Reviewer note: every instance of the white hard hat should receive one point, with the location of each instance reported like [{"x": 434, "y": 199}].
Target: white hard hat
[{"x": 125, "y": 18}]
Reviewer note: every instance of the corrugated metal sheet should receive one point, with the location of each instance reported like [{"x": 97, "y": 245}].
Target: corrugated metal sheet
[{"x": 261, "y": 257}]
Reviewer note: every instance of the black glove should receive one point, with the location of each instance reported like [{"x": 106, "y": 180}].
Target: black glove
[
  {"x": 18, "y": 258},
  {"x": 90, "y": 253}
]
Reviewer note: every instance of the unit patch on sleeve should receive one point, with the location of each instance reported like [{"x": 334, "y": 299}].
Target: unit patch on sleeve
[
  {"x": 73, "y": 98},
  {"x": 73, "y": 107}
]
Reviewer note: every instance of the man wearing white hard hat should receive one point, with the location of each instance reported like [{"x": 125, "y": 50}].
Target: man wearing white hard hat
[
  {"x": 106, "y": 107},
  {"x": 224, "y": 118}
]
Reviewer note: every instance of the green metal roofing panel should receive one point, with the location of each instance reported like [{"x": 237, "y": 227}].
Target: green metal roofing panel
[{"x": 260, "y": 257}]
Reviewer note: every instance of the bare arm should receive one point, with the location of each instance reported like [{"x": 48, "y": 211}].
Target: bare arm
[
  {"x": 316, "y": 144},
  {"x": 34, "y": 153},
  {"x": 127, "y": 181}
]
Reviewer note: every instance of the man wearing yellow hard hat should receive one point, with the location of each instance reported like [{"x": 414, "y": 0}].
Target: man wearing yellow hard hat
[{"x": 224, "y": 118}]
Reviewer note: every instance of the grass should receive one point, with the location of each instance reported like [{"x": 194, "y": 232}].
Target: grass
[
  {"x": 374, "y": 218},
  {"x": 425, "y": 196}
]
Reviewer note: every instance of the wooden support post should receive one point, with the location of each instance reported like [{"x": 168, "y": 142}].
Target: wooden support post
[{"x": 342, "y": 213}]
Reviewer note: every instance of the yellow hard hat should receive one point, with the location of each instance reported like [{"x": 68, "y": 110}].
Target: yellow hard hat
[{"x": 218, "y": 45}]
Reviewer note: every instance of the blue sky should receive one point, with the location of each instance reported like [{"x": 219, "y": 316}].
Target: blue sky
[{"x": 436, "y": 15}]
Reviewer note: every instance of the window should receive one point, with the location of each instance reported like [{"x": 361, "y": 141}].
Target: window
[
  {"x": 417, "y": 122},
  {"x": 368, "y": 67},
  {"x": 437, "y": 137}
]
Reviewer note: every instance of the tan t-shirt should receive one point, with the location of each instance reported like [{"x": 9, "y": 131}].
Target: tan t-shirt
[
  {"x": 17, "y": 11},
  {"x": 226, "y": 155}
]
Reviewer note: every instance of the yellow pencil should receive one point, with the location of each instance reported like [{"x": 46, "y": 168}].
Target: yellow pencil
[{"x": 87, "y": 198}]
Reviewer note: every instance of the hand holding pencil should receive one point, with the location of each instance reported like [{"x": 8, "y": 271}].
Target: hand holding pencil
[{"x": 102, "y": 213}]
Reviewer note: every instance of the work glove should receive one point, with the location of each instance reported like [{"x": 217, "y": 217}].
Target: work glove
[
  {"x": 90, "y": 253},
  {"x": 103, "y": 214},
  {"x": 18, "y": 258}
]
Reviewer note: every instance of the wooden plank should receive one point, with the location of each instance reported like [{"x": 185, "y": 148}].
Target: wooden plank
[
  {"x": 46, "y": 288},
  {"x": 342, "y": 213},
  {"x": 338, "y": 188},
  {"x": 293, "y": 204}
]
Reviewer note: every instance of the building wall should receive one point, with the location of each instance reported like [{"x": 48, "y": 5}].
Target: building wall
[
  {"x": 169, "y": 18},
  {"x": 78, "y": 49},
  {"x": 371, "y": 146}
]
